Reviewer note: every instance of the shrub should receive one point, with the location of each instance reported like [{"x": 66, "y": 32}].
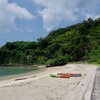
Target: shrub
[{"x": 60, "y": 60}]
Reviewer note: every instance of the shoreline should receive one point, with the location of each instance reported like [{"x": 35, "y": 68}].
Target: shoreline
[
  {"x": 19, "y": 65},
  {"x": 46, "y": 87},
  {"x": 42, "y": 71},
  {"x": 4, "y": 78}
]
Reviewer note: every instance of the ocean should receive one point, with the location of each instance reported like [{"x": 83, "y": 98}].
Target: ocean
[{"x": 8, "y": 72}]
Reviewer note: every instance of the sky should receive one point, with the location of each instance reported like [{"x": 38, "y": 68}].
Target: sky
[{"x": 28, "y": 20}]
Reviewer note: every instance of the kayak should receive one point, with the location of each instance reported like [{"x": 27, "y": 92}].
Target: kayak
[
  {"x": 65, "y": 75},
  {"x": 53, "y": 75},
  {"x": 60, "y": 75},
  {"x": 75, "y": 75}
]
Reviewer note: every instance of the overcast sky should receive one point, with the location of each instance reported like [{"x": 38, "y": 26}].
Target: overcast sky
[{"x": 29, "y": 20}]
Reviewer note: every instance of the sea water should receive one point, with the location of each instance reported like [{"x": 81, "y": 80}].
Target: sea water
[{"x": 7, "y": 72}]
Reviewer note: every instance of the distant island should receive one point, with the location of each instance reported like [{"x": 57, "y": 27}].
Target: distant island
[{"x": 79, "y": 42}]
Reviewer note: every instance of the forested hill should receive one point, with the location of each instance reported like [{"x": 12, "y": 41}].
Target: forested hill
[{"x": 79, "y": 42}]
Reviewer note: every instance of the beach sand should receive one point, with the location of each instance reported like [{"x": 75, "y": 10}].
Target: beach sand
[{"x": 40, "y": 86}]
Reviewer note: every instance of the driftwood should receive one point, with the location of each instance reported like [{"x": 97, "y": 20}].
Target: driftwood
[{"x": 24, "y": 78}]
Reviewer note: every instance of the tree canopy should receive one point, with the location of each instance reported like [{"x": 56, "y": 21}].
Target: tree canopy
[{"x": 74, "y": 43}]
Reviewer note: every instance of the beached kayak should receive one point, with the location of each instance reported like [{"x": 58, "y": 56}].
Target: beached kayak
[
  {"x": 65, "y": 75},
  {"x": 53, "y": 75},
  {"x": 60, "y": 75}
]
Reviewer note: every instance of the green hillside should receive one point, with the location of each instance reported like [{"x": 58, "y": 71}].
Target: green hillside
[{"x": 79, "y": 42}]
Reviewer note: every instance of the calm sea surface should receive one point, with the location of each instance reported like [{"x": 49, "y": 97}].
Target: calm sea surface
[
  {"x": 14, "y": 72},
  {"x": 11, "y": 71}
]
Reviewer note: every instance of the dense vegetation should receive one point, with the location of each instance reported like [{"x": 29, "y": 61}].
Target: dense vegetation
[{"x": 79, "y": 42}]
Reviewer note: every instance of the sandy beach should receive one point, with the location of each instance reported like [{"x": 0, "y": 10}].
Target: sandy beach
[{"x": 40, "y": 86}]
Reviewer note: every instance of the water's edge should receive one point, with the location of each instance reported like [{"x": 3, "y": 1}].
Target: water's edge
[{"x": 40, "y": 69}]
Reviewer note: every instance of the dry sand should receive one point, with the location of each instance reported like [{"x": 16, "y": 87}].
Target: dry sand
[{"x": 44, "y": 87}]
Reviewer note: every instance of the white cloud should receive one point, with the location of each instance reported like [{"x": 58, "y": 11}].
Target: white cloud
[
  {"x": 9, "y": 12},
  {"x": 53, "y": 12}
]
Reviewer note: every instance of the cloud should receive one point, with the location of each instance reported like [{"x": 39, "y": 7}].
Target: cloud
[
  {"x": 9, "y": 12},
  {"x": 54, "y": 12}
]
